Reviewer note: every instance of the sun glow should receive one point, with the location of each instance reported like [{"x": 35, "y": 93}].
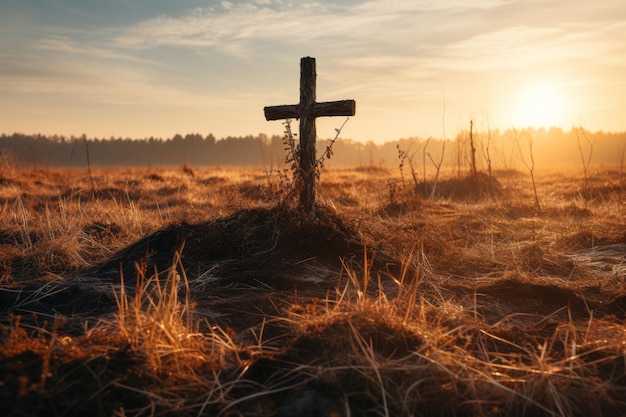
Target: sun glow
[{"x": 540, "y": 105}]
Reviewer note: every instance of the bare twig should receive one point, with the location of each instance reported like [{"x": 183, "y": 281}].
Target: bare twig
[
  {"x": 473, "y": 149},
  {"x": 443, "y": 149},
  {"x": 404, "y": 156},
  {"x": 424, "y": 164},
  {"x": 437, "y": 167},
  {"x": 486, "y": 153},
  {"x": 93, "y": 185},
  {"x": 586, "y": 161},
  {"x": 621, "y": 173},
  {"x": 329, "y": 149},
  {"x": 6, "y": 161},
  {"x": 530, "y": 166}
]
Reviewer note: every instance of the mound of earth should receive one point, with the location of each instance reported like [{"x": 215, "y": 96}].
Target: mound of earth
[
  {"x": 270, "y": 247},
  {"x": 229, "y": 263}
]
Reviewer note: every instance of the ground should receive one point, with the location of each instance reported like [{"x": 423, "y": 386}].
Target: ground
[{"x": 205, "y": 291}]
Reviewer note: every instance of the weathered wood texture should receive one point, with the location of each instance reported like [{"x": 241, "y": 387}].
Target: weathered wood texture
[
  {"x": 307, "y": 111},
  {"x": 329, "y": 108}
]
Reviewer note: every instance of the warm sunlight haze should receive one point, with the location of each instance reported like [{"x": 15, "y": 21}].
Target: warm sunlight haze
[
  {"x": 541, "y": 105},
  {"x": 313, "y": 208},
  {"x": 157, "y": 68}
]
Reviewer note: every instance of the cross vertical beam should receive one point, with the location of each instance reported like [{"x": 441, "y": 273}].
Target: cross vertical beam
[
  {"x": 307, "y": 111},
  {"x": 308, "y": 132}
]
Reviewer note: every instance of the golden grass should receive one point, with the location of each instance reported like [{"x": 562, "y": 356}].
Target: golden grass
[{"x": 468, "y": 304}]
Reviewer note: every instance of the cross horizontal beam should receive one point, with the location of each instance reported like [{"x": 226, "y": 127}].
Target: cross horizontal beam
[{"x": 296, "y": 111}]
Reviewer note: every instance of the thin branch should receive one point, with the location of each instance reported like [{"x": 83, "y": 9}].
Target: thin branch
[{"x": 531, "y": 167}]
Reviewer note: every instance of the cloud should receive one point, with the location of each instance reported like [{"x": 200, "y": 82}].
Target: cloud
[
  {"x": 483, "y": 33},
  {"x": 200, "y": 27},
  {"x": 62, "y": 45},
  {"x": 512, "y": 47},
  {"x": 372, "y": 23}
]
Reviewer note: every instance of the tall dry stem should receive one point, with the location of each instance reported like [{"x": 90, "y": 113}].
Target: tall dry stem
[
  {"x": 621, "y": 173},
  {"x": 585, "y": 160},
  {"x": 91, "y": 182},
  {"x": 530, "y": 166},
  {"x": 486, "y": 150},
  {"x": 443, "y": 149},
  {"x": 473, "y": 151}
]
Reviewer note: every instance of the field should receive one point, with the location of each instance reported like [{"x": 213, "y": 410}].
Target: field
[{"x": 205, "y": 292}]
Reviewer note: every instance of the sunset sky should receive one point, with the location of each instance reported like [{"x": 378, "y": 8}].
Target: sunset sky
[{"x": 140, "y": 68}]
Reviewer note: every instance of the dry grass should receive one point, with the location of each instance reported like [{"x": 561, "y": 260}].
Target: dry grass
[{"x": 188, "y": 292}]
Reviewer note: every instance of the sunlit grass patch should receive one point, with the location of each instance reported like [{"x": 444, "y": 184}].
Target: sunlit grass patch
[{"x": 158, "y": 292}]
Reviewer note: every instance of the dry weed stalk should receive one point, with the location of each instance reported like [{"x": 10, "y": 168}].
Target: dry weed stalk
[
  {"x": 529, "y": 165},
  {"x": 437, "y": 165},
  {"x": 486, "y": 149},
  {"x": 473, "y": 151},
  {"x": 404, "y": 156},
  {"x": 586, "y": 161},
  {"x": 291, "y": 179},
  {"x": 621, "y": 172}
]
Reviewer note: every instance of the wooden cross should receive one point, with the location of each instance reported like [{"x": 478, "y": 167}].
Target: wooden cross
[{"x": 307, "y": 110}]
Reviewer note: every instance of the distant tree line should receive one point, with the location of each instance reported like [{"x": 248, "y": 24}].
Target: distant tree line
[
  {"x": 492, "y": 149},
  {"x": 193, "y": 149}
]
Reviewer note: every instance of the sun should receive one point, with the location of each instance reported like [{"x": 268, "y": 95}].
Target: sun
[{"x": 539, "y": 105}]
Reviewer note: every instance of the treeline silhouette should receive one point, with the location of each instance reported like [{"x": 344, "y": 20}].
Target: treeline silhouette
[
  {"x": 500, "y": 149},
  {"x": 194, "y": 149}
]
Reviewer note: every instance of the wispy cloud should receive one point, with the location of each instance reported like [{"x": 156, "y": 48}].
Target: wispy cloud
[
  {"x": 445, "y": 32},
  {"x": 383, "y": 23},
  {"x": 519, "y": 47}
]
